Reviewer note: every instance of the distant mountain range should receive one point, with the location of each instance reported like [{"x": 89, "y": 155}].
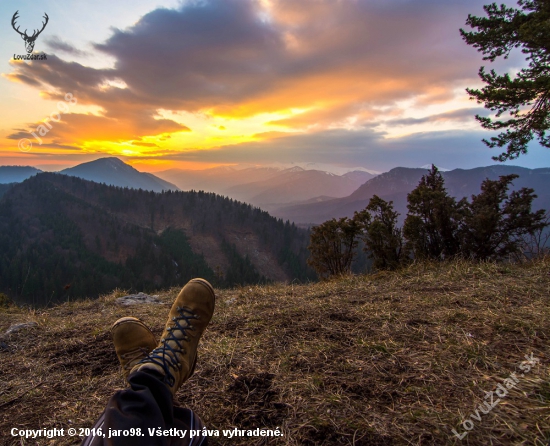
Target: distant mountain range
[
  {"x": 63, "y": 237},
  {"x": 301, "y": 193},
  {"x": 16, "y": 174},
  {"x": 397, "y": 183},
  {"x": 269, "y": 187},
  {"x": 266, "y": 187},
  {"x": 216, "y": 179},
  {"x": 295, "y": 185},
  {"x": 110, "y": 171}
]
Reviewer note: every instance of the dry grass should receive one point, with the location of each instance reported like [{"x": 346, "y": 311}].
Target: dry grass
[{"x": 391, "y": 358}]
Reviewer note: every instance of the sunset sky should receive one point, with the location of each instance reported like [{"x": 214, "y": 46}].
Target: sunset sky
[{"x": 193, "y": 84}]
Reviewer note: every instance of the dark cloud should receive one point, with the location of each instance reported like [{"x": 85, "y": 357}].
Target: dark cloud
[
  {"x": 19, "y": 134},
  {"x": 463, "y": 114},
  {"x": 220, "y": 54},
  {"x": 59, "y": 146},
  {"x": 204, "y": 53},
  {"x": 29, "y": 80},
  {"x": 56, "y": 44}
]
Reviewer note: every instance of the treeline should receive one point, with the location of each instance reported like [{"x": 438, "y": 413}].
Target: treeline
[
  {"x": 491, "y": 225},
  {"x": 62, "y": 238}
]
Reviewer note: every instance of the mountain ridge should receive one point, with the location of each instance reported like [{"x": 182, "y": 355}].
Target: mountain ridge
[
  {"x": 102, "y": 237},
  {"x": 115, "y": 172},
  {"x": 297, "y": 184},
  {"x": 395, "y": 184},
  {"x": 16, "y": 174},
  {"x": 268, "y": 186},
  {"x": 264, "y": 186}
]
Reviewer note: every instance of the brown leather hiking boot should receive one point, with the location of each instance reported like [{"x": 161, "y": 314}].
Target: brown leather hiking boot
[
  {"x": 133, "y": 342},
  {"x": 176, "y": 355}
]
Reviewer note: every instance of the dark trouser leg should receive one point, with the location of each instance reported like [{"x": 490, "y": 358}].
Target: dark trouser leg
[{"x": 147, "y": 404}]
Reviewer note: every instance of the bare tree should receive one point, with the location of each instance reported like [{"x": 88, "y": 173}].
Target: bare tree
[{"x": 536, "y": 244}]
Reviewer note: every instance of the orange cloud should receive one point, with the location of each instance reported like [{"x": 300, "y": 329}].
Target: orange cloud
[{"x": 77, "y": 128}]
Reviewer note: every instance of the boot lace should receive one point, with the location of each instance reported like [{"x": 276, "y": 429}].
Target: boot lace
[{"x": 166, "y": 355}]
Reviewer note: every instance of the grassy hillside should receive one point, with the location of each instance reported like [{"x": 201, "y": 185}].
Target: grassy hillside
[{"x": 392, "y": 358}]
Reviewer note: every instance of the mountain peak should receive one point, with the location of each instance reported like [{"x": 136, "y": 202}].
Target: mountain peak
[
  {"x": 294, "y": 169},
  {"x": 429, "y": 166},
  {"x": 109, "y": 161},
  {"x": 115, "y": 172}
]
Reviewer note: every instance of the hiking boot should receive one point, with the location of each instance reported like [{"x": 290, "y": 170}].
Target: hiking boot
[
  {"x": 176, "y": 355},
  {"x": 133, "y": 341}
]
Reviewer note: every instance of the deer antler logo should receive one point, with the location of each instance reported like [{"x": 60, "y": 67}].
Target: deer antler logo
[{"x": 29, "y": 40}]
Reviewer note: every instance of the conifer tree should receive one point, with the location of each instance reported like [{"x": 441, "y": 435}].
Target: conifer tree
[
  {"x": 383, "y": 238},
  {"x": 495, "y": 222},
  {"x": 433, "y": 219},
  {"x": 525, "y": 96}
]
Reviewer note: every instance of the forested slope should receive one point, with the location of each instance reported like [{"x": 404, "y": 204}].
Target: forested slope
[{"x": 62, "y": 237}]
